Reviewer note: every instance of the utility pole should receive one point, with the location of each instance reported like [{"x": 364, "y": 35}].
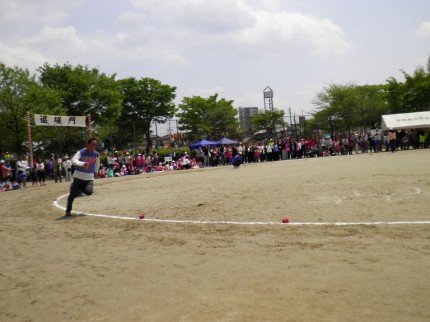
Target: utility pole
[
  {"x": 134, "y": 135},
  {"x": 169, "y": 130},
  {"x": 156, "y": 135},
  {"x": 289, "y": 111}
]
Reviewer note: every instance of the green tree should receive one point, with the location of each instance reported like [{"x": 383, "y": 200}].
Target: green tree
[
  {"x": 19, "y": 94},
  {"x": 337, "y": 103},
  {"x": 417, "y": 89},
  {"x": 343, "y": 108},
  {"x": 146, "y": 101},
  {"x": 395, "y": 96},
  {"x": 269, "y": 121},
  {"x": 207, "y": 117},
  {"x": 85, "y": 91},
  {"x": 372, "y": 104},
  {"x": 413, "y": 95}
]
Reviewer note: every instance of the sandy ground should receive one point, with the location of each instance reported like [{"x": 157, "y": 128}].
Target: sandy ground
[{"x": 103, "y": 269}]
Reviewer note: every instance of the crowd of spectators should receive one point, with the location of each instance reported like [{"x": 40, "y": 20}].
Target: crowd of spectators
[
  {"x": 16, "y": 174},
  {"x": 125, "y": 163}
]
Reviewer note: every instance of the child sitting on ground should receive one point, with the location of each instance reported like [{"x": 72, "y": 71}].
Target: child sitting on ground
[{"x": 102, "y": 172}]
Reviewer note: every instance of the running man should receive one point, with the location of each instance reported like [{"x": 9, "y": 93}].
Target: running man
[{"x": 87, "y": 164}]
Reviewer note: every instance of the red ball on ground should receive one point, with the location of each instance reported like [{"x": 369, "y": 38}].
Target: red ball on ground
[
  {"x": 285, "y": 220},
  {"x": 142, "y": 216}
]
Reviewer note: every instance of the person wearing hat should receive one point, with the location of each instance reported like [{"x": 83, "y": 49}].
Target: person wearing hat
[
  {"x": 127, "y": 158},
  {"x": 124, "y": 171},
  {"x": 138, "y": 161},
  {"x": 67, "y": 166}
]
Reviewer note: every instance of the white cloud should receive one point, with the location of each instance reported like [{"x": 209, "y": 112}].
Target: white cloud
[
  {"x": 296, "y": 30},
  {"x": 130, "y": 20},
  {"x": 27, "y": 12},
  {"x": 26, "y": 57},
  {"x": 164, "y": 56},
  {"x": 181, "y": 31},
  {"x": 226, "y": 22},
  {"x": 122, "y": 36},
  {"x": 244, "y": 99},
  {"x": 424, "y": 30},
  {"x": 66, "y": 37}
]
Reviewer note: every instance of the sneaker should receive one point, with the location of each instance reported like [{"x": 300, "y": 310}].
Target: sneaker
[{"x": 68, "y": 213}]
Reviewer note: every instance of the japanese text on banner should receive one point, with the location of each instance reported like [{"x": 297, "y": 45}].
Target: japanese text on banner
[{"x": 59, "y": 120}]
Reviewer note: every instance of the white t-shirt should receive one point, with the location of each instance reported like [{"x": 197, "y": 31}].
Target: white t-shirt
[
  {"x": 22, "y": 165},
  {"x": 67, "y": 164}
]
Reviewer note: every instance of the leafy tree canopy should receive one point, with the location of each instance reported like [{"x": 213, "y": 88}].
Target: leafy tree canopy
[
  {"x": 207, "y": 117},
  {"x": 411, "y": 96},
  {"x": 269, "y": 121},
  {"x": 146, "y": 100},
  {"x": 19, "y": 94},
  {"x": 343, "y": 108},
  {"x": 84, "y": 91}
]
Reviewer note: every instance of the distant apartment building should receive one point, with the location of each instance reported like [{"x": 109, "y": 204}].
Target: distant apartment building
[{"x": 245, "y": 116}]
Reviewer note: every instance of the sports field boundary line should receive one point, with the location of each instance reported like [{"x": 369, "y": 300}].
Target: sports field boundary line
[{"x": 211, "y": 222}]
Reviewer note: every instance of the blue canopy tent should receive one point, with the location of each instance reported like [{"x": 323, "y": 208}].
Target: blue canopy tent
[
  {"x": 226, "y": 141},
  {"x": 202, "y": 143}
]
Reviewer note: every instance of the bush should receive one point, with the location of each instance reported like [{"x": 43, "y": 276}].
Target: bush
[{"x": 176, "y": 153}]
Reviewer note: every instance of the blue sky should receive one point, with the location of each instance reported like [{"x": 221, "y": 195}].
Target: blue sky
[{"x": 231, "y": 47}]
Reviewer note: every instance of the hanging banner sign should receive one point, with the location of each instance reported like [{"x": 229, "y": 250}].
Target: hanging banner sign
[{"x": 60, "y": 120}]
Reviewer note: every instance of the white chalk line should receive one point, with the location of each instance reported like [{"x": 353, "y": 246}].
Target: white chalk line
[{"x": 210, "y": 222}]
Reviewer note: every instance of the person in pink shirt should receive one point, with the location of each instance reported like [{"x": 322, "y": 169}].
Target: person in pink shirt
[
  {"x": 124, "y": 171},
  {"x": 336, "y": 146},
  {"x": 138, "y": 161}
]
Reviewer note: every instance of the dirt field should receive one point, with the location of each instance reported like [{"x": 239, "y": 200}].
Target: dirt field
[{"x": 252, "y": 269}]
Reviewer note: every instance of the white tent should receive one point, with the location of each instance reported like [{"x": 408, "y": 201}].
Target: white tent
[{"x": 406, "y": 121}]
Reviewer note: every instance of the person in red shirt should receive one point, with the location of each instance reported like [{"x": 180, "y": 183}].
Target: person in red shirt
[
  {"x": 228, "y": 155},
  {"x": 179, "y": 165},
  {"x": 6, "y": 173},
  {"x": 159, "y": 167},
  {"x": 138, "y": 161}
]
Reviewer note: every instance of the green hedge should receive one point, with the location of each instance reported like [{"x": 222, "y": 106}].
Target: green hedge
[{"x": 176, "y": 153}]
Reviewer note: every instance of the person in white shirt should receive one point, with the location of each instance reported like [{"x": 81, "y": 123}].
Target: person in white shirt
[
  {"x": 40, "y": 168},
  {"x": 87, "y": 164},
  {"x": 186, "y": 162},
  {"x": 22, "y": 166},
  {"x": 67, "y": 166}
]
